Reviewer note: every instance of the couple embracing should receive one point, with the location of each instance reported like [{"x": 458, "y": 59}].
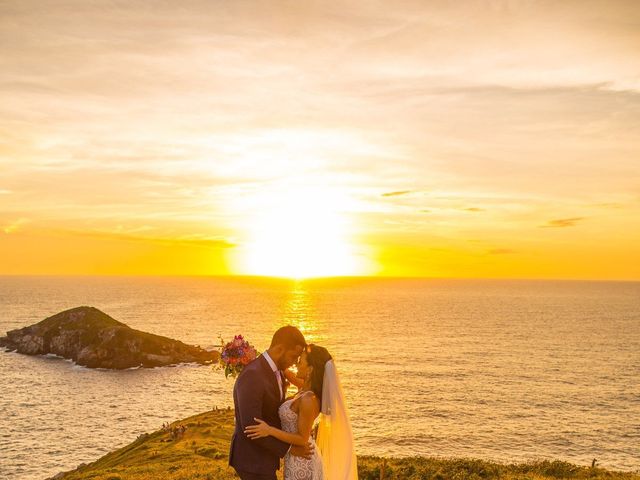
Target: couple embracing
[{"x": 270, "y": 426}]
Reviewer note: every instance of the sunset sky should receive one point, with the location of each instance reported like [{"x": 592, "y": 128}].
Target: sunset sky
[{"x": 482, "y": 139}]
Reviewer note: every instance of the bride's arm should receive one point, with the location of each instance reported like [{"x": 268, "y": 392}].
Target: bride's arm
[
  {"x": 307, "y": 413},
  {"x": 293, "y": 380}
]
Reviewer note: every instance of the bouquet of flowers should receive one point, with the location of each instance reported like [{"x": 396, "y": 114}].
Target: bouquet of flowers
[{"x": 235, "y": 355}]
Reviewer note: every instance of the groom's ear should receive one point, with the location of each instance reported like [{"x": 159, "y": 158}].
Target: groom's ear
[{"x": 278, "y": 350}]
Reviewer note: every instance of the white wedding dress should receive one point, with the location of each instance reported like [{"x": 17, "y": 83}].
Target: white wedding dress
[
  {"x": 298, "y": 468},
  {"x": 334, "y": 455}
]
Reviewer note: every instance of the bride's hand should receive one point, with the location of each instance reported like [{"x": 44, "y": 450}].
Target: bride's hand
[
  {"x": 293, "y": 380},
  {"x": 262, "y": 429}
]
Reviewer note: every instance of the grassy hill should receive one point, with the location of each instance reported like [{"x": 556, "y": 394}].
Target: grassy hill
[{"x": 202, "y": 452}]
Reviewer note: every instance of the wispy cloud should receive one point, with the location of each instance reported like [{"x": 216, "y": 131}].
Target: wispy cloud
[
  {"x": 14, "y": 226},
  {"x": 195, "y": 239},
  {"x": 614, "y": 205},
  {"x": 501, "y": 251},
  {"x": 396, "y": 193},
  {"x": 563, "y": 222}
]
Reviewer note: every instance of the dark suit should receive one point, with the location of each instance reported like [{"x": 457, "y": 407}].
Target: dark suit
[{"x": 256, "y": 394}]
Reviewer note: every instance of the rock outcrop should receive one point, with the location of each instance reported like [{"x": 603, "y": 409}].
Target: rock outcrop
[{"x": 93, "y": 339}]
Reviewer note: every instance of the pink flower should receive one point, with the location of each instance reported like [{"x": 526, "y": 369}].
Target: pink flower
[{"x": 235, "y": 355}]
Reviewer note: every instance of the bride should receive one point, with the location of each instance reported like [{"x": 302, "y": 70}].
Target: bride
[{"x": 319, "y": 401}]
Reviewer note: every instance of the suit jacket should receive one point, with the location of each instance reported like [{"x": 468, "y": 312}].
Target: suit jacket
[{"x": 256, "y": 393}]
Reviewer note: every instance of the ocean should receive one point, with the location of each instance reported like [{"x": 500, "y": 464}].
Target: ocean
[{"x": 506, "y": 370}]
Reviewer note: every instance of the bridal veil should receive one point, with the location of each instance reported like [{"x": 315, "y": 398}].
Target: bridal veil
[{"x": 335, "y": 438}]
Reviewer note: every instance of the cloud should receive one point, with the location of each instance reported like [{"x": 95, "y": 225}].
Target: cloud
[
  {"x": 609, "y": 205},
  {"x": 474, "y": 209},
  {"x": 500, "y": 251},
  {"x": 195, "y": 239},
  {"x": 397, "y": 193},
  {"x": 563, "y": 222},
  {"x": 14, "y": 226}
]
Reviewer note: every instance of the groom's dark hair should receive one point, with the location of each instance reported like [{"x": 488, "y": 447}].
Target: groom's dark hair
[{"x": 288, "y": 336}]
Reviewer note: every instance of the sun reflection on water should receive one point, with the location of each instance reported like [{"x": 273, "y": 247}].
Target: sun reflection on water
[{"x": 297, "y": 310}]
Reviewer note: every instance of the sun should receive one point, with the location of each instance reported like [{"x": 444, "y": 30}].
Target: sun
[{"x": 299, "y": 233}]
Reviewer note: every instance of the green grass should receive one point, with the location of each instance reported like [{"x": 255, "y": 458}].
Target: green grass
[
  {"x": 414, "y": 468},
  {"x": 203, "y": 451}
]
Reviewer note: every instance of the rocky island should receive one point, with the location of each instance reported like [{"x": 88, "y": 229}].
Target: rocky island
[{"x": 93, "y": 339}]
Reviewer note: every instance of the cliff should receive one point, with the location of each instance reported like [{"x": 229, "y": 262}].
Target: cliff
[
  {"x": 201, "y": 451},
  {"x": 93, "y": 339}
]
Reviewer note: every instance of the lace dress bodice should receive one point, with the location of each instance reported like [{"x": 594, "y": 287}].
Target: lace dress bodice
[
  {"x": 298, "y": 468},
  {"x": 288, "y": 418}
]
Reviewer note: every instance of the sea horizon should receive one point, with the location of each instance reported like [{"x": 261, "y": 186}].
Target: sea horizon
[{"x": 329, "y": 277}]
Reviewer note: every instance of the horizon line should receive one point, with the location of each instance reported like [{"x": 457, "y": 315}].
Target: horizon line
[{"x": 330, "y": 277}]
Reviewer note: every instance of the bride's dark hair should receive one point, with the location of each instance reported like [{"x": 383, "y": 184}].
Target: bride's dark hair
[{"x": 317, "y": 357}]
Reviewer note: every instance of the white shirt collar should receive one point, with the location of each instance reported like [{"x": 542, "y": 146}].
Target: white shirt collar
[{"x": 270, "y": 361}]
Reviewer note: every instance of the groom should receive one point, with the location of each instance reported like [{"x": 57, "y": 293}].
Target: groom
[{"x": 258, "y": 393}]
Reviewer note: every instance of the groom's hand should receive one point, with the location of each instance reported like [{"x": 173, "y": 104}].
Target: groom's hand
[{"x": 305, "y": 451}]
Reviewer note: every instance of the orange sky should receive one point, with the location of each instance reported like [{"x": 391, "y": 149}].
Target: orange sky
[{"x": 454, "y": 139}]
